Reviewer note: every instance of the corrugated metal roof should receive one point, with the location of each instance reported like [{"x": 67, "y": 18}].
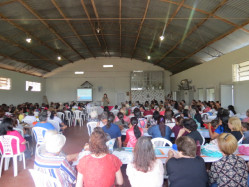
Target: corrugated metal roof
[{"x": 195, "y": 31}]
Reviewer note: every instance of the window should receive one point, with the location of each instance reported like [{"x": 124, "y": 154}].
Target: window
[
  {"x": 210, "y": 94},
  {"x": 148, "y": 80},
  {"x": 200, "y": 94},
  {"x": 33, "y": 86},
  {"x": 241, "y": 71},
  {"x": 5, "y": 83}
]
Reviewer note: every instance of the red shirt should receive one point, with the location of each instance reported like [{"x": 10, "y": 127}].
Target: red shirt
[
  {"x": 99, "y": 172},
  {"x": 13, "y": 143},
  {"x": 148, "y": 112}
]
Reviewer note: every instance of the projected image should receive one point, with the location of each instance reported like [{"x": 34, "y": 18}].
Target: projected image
[{"x": 84, "y": 94}]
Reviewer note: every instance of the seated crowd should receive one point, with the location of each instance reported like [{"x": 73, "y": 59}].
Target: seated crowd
[{"x": 169, "y": 120}]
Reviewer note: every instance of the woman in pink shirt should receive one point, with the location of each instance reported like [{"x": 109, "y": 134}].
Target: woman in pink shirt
[
  {"x": 133, "y": 133},
  {"x": 6, "y": 128}
]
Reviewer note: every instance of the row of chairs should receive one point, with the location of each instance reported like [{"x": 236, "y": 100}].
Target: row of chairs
[{"x": 78, "y": 115}]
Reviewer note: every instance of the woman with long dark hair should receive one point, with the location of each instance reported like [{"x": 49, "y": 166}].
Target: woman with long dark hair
[
  {"x": 54, "y": 117},
  {"x": 142, "y": 122},
  {"x": 112, "y": 129},
  {"x": 133, "y": 133},
  {"x": 223, "y": 116},
  {"x": 145, "y": 170},
  {"x": 159, "y": 130},
  {"x": 6, "y": 128},
  {"x": 121, "y": 122}
]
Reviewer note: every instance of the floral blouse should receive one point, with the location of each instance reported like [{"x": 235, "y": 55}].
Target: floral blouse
[{"x": 229, "y": 171}]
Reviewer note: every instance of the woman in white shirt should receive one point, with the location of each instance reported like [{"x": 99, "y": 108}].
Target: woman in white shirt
[{"x": 145, "y": 170}]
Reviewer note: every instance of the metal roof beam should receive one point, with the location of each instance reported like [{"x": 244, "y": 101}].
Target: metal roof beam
[
  {"x": 207, "y": 13},
  {"x": 90, "y": 21},
  {"x": 209, "y": 43},
  {"x": 71, "y": 26},
  {"x": 169, "y": 21},
  {"x": 7, "y": 2},
  {"x": 31, "y": 35},
  {"x": 140, "y": 28},
  {"x": 24, "y": 62},
  {"x": 49, "y": 27},
  {"x": 97, "y": 16},
  {"x": 28, "y": 50},
  {"x": 120, "y": 27},
  {"x": 191, "y": 31}
]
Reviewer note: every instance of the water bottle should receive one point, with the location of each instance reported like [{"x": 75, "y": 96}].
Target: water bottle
[{"x": 198, "y": 148}]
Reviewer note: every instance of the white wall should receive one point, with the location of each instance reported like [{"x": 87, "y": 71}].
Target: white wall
[
  {"x": 61, "y": 84},
  {"x": 216, "y": 72},
  {"x": 17, "y": 94}
]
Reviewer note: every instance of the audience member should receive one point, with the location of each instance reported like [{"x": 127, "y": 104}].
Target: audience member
[
  {"x": 112, "y": 129},
  {"x": 6, "y": 128},
  {"x": 50, "y": 160},
  {"x": 234, "y": 124},
  {"x": 247, "y": 118},
  {"x": 121, "y": 122},
  {"x": 230, "y": 170},
  {"x": 43, "y": 121},
  {"x": 178, "y": 127},
  {"x": 133, "y": 133},
  {"x": 99, "y": 169},
  {"x": 145, "y": 170},
  {"x": 183, "y": 167},
  {"x": 245, "y": 129},
  {"x": 190, "y": 126}
]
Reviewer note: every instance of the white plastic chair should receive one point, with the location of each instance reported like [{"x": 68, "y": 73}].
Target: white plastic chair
[
  {"x": 115, "y": 112},
  {"x": 77, "y": 116},
  {"x": 61, "y": 115},
  {"x": 160, "y": 142},
  {"x": 39, "y": 133},
  {"x": 91, "y": 126},
  {"x": 68, "y": 117},
  {"x": 203, "y": 140},
  {"x": 41, "y": 179},
  {"x": 110, "y": 144},
  {"x": 84, "y": 114},
  {"x": 8, "y": 153},
  {"x": 56, "y": 124},
  {"x": 36, "y": 114},
  {"x": 30, "y": 122},
  {"x": 241, "y": 139}
]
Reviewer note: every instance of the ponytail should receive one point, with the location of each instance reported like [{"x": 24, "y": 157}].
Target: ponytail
[
  {"x": 134, "y": 122},
  {"x": 121, "y": 117},
  {"x": 110, "y": 120},
  {"x": 162, "y": 126},
  {"x": 52, "y": 115}
]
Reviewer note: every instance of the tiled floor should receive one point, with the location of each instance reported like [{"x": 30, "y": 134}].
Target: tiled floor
[{"x": 76, "y": 138}]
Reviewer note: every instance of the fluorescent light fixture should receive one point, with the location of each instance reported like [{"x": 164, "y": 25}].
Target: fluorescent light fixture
[
  {"x": 28, "y": 40},
  {"x": 107, "y": 66},
  {"x": 58, "y": 57},
  {"x": 162, "y": 38},
  {"x": 148, "y": 57},
  {"x": 137, "y": 71},
  {"x": 78, "y": 72}
]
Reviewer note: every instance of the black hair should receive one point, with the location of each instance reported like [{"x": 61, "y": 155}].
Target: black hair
[
  {"x": 185, "y": 113},
  {"x": 190, "y": 124},
  {"x": 168, "y": 115},
  {"x": 156, "y": 115},
  {"x": 231, "y": 107},
  {"x": 52, "y": 115},
  {"x": 134, "y": 122},
  {"x": 121, "y": 117},
  {"x": 116, "y": 107},
  {"x": 214, "y": 122},
  {"x": 110, "y": 120},
  {"x": 137, "y": 113},
  {"x": 245, "y": 125},
  {"x": 162, "y": 126},
  {"x": 6, "y": 125}
]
